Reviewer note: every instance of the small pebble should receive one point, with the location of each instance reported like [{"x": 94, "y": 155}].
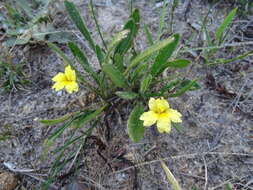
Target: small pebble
[{"x": 8, "y": 181}]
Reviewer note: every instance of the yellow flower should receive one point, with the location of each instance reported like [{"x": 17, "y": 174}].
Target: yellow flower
[
  {"x": 66, "y": 80},
  {"x": 160, "y": 113}
]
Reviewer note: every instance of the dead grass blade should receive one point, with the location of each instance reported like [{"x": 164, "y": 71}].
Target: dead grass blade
[{"x": 171, "y": 179}]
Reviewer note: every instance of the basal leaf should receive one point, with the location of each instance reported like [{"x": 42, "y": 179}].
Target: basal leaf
[
  {"x": 148, "y": 35},
  {"x": 88, "y": 116},
  {"x": 56, "y": 121},
  {"x": 79, "y": 22},
  {"x": 132, "y": 25},
  {"x": 149, "y": 51},
  {"x": 136, "y": 75},
  {"x": 61, "y": 54},
  {"x": 164, "y": 54},
  {"x": 115, "y": 75},
  {"x": 100, "y": 55},
  {"x": 126, "y": 95},
  {"x": 178, "y": 64},
  {"x": 145, "y": 83},
  {"x": 80, "y": 56},
  {"x": 135, "y": 126},
  {"x": 118, "y": 61}
]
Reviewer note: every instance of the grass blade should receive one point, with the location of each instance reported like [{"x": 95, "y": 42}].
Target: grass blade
[
  {"x": 96, "y": 23},
  {"x": 185, "y": 86},
  {"x": 224, "y": 61},
  {"x": 227, "y": 21}
]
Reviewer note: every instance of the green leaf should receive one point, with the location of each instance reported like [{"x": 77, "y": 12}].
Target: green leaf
[
  {"x": 178, "y": 64},
  {"x": 228, "y": 186},
  {"x": 177, "y": 126},
  {"x": 195, "y": 86},
  {"x": 51, "y": 139},
  {"x": 115, "y": 41},
  {"x": 56, "y": 121},
  {"x": 145, "y": 83},
  {"x": 57, "y": 50},
  {"x": 227, "y": 21},
  {"x": 169, "y": 86},
  {"x": 78, "y": 20},
  {"x": 118, "y": 61},
  {"x": 100, "y": 55},
  {"x": 132, "y": 25},
  {"x": 149, "y": 51},
  {"x": 60, "y": 37},
  {"x": 12, "y": 41},
  {"x": 138, "y": 72},
  {"x": 115, "y": 75},
  {"x": 148, "y": 35},
  {"x": 126, "y": 95},
  {"x": 80, "y": 56},
  {"x": 162, "y": 19},
  {"x": 88, "y": 116},
  {"x": 96, "y": 23},
  {"x": 24, "y": 5},
  {"x": 185, "y": 86},
  {"x": 164, "y": 55},
  {"x": 135, "y": 126}
]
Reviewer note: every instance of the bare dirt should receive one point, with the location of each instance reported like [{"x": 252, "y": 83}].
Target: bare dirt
[{"x": 214, "y": 148}]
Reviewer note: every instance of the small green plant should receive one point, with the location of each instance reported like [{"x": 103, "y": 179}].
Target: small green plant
[
  {"x": 126, "y": 75},
  {"x": 220, "y": 37},
  {"x": 244, "y": 6},
  {"x": 26, "y": 21},
  {"x": 5, "y": 133},
  {"x": 12, "y": 75}
]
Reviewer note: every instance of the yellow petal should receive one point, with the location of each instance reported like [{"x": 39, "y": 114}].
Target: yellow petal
[
  {"x": 70, "y": 74},
  {"x": 164, "y": 124},
  {"x": 59, "y": 77},
  {"x": 71, "y": 87},
  {"x": 162, "y": 105},
  {"x": 158, "y": 105},
  {"x": 58, "y": 86},
  {"x": 174, "y": 116},
  {"x": 149, "y": 118},
  {"x": 152, "y": 104}
]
